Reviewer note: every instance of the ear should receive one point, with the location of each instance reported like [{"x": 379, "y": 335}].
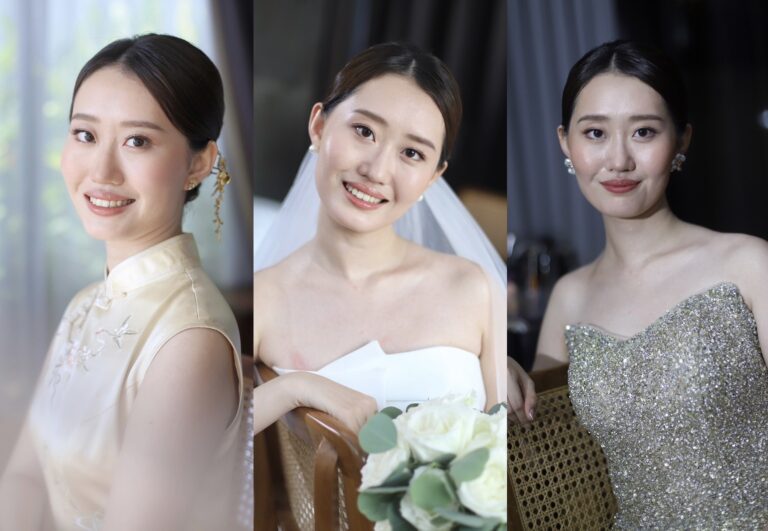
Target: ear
[
  {"x": 685, "y": 138},
  {"x": 438, "y": 173},
  {"x": 562, "y": 137},
  {"x": 316, "y": 124},
  {"x": 202, "y": 163}
]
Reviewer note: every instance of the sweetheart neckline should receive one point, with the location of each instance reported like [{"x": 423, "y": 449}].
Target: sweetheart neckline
[
  {"x": 653, "y": 324},
  {"x": 376, "y": 342}
]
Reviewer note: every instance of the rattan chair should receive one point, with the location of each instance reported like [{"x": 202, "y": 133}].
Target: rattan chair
[
  {"x": 312, "y": 468},
  {"x": 558, "y": 477}
]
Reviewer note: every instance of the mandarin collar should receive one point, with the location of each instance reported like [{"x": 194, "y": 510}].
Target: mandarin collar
[{"x": 172, "y": 255}]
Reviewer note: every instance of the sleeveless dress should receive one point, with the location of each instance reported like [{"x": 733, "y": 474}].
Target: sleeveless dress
[
  {"x": 409, "y": 377},
  {"x": 104, "y": 345},
  {"x": 681, "y": 412}
]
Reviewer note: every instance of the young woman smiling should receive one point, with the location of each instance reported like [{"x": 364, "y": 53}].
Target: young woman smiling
[{"x": 137, "y": 421}]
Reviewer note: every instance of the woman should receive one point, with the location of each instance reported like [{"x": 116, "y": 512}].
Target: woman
[
  {"x": 666, "y": 330},
  {"x": 338, "y": 286},
  {"x": 137, "y": 421}
]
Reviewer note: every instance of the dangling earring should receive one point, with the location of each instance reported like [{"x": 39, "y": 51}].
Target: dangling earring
[
  {"x": 677, "y": 162},
  {"x": 222, "y": 179},
  {"x": 569, "y": 166}
]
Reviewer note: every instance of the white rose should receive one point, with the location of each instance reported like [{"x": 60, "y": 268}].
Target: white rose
[
  {"x": 489, "y": 431},
  {"x": 378, "y": 467},
  {"x": 437, "y": 428},
  {"x": 382, "y": 525},
  {"x": 487, "y": 495},
  {"x": 420, "y": 518}
]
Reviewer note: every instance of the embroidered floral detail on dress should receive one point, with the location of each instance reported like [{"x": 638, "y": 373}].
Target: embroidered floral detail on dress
[
  {"x": 90, "y": 523},
  {"x": 77, "y": 352}
]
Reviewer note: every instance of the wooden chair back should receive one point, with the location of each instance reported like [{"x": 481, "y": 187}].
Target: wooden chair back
[
  {"x": 558, "y": 478},
  {"x": 314, "y": 463}
]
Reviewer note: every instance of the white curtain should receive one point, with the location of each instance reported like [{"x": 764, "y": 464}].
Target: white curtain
[{"x": 45, "y": 255}]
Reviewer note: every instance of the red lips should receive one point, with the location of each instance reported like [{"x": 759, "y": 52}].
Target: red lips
[{"x": 620, "y": 186}]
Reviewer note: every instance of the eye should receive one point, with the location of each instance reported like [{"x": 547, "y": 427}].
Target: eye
[
  {"x": 595, "y": 134},
  {"x": 137, "y": 141},
  {"x": 81, "y": 135},
  {"x": 645, "y": 132},
  {"x": 364, "y": 132},
  {"x": 413, "y": 154}
]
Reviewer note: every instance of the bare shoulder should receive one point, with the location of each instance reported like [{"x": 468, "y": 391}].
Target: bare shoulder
[
  {"x": 466, "y": 278},
  {"x": 570, "y": 292}
]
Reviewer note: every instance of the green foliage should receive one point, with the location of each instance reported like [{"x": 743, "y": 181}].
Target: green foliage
[
  {"x": 378, "y": 434},
  {"x": 432, "y": 489},
  {"x": 470, "y": 466}
]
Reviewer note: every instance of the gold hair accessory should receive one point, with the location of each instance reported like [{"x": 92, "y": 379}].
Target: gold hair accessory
[{"x": 222, "y": 179}]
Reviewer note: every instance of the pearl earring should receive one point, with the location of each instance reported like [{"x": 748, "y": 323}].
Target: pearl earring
[
  {"x": 313, "y": 148},
  {"x": 569, "y": 166}
]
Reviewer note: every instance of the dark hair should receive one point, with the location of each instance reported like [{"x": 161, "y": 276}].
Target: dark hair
[
  {"x": 181, "y": 78},
  {"x": 403, "y": 59},
  {"x": 629, "y": 58}
]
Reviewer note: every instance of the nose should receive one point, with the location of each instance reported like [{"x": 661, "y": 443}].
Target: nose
[
  {"x": 377, "y": 165},
  {"x": 106, "y": 168},
  {"x": 619, "y": 157}
]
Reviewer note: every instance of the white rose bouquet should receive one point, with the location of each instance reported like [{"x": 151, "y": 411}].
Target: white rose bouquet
[{"x": 439, "y": 465}]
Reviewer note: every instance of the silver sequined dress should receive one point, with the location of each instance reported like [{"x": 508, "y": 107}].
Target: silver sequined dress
[{"x": 681, "y": 412}]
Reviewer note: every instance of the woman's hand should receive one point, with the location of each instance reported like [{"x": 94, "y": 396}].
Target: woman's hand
[
  {"x": 349, "y": 406},
  {"x": 520, "y": 392},
  {"x": 277, "y": 397}
]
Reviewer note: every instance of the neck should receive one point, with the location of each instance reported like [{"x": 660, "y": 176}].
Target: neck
[
  {"x": 353, "y": 255},
  {"x": 120, "y": 250},
  {"x": 632, "y": 243}
]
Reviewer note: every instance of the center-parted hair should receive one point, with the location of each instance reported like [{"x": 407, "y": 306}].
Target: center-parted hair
[
  {"x": 629, "y": 58},
  {"x": 182, "y": 79},
  {"x": 426, "y": 70}
]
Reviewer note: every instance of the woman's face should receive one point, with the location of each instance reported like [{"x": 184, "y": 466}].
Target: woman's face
[
  {"x": 378, "y": 151},
  {"x": 621, "y": 140},
  {"x": 124, "y": 164}
]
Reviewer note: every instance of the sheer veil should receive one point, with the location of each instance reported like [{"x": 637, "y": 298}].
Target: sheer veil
[{"x": 439, "y": 222}]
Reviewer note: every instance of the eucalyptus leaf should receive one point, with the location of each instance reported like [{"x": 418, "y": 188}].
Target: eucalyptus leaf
[
  {"x": 392, "y": 412},
  {"x": 469, "y": 520},
  {"x": 444, "y": 459},
  {"x": 495, "y": 409},
  {"x": 469, "y": 466},
  {"x": 378, "y": 434},
  {"x": 396, "y": 520},
  {"x": 375, "y": 506},
  {"x": 431, "y": 490},
  {"x": 386, "y": 489},
  {"x": 400, "y": 476}
]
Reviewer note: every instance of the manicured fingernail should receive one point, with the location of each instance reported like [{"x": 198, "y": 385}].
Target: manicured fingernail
[{"x": 530, "y": 414}]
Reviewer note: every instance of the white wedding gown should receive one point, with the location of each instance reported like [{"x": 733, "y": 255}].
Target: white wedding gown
[{"x": 405, "y": 378}]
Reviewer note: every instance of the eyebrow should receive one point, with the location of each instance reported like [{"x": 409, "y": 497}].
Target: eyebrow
[
  {"x": 129, "y": 123},
  {"x": 376, "y": 118},
  {"x": 633, "y": 118}
]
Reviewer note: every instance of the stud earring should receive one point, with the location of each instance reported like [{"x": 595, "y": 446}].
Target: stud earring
[
  {"x": 569, "y": 166},
  {"x": 677, "y": 162},
  {"x": 421, "y": 197},
  {"x": 190, "y": 185},
  {"x": 313, "y": 148}
]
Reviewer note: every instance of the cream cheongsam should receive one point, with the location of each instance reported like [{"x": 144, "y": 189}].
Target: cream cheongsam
[{"x": 103, "y": 347}]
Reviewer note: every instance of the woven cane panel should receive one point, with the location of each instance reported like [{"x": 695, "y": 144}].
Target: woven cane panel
[
  {"x": 557, "y": 471},
  {"x": 298, "y": 472}
]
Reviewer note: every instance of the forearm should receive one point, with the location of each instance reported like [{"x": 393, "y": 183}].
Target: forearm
[
  {"x": 274, "y": 399},
  {"x": 22, "y": 503}
]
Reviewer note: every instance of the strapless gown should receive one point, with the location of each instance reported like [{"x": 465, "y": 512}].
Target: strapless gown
[
  {"x": 681, "y": 412},
  {"x": 407, "y": 377}
]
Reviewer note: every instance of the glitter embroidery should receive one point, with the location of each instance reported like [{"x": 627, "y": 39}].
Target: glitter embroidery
[{"x": 679, "y": 410}]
